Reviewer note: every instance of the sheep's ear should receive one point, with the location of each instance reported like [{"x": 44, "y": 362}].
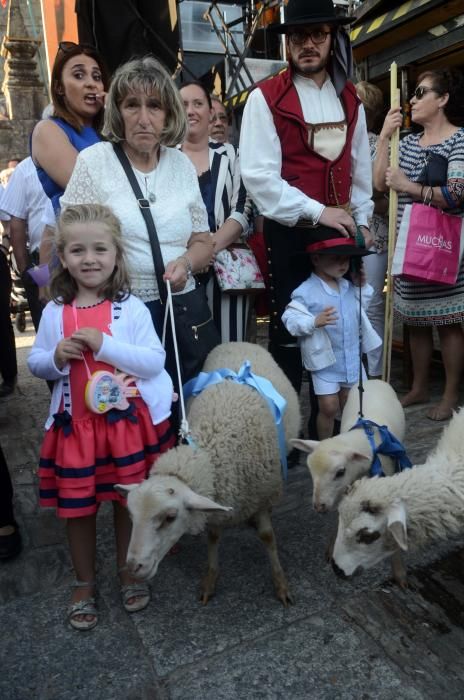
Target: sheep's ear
[
  {"x": 358, "y": 457},
  {"x": 193, "y": 501},
  {"x": 396, "y": 524},
  {"x": 123, "y": 490},
  {"x": 305, "y": 445}
]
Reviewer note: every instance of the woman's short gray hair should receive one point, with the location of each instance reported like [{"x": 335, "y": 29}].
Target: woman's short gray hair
[{"x": 145, "y": 74}]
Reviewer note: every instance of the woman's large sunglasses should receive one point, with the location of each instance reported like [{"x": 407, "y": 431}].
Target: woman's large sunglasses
[
  {"x": 68, "y": 46},
  {"x": 422, "y": 90}
]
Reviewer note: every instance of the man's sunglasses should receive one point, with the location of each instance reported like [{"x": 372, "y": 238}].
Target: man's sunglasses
[{"x": 422, "y": 90}]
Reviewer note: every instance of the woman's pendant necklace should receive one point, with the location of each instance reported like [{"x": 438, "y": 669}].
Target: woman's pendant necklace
[
  {"x": 149, "y": 194},
  {"x": 147, "y": 181}
]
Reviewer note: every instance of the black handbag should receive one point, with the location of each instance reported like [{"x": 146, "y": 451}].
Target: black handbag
[
  {"x": 196, "y": 331},
  {"x": 435, "y": 170}
]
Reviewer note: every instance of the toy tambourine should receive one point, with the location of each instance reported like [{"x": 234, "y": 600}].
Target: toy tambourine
[{"x": 105, "y": 390}]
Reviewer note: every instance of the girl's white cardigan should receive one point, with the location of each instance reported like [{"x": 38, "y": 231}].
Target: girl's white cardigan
[{"x": 133, "y": 347}]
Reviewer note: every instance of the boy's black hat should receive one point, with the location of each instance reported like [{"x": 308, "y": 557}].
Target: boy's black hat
[{"x": 329, "y": 241}]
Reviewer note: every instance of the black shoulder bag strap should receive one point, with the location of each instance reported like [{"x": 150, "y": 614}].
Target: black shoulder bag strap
[{"x": 144, "y": 205}]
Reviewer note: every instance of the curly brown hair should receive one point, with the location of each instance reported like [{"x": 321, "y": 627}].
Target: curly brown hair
[{"x": 63, "y": 288}]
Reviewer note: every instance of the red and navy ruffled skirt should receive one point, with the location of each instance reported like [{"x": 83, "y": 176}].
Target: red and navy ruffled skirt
[{"x": 82, "y": 459}]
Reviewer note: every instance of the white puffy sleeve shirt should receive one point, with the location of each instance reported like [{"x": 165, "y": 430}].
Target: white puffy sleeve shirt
[
  {"x": 133, "y": 347},
  {"x": 315, "y": 295},
  {"x": 261, "y": 156},
  {"x": 178, "y": 211}
]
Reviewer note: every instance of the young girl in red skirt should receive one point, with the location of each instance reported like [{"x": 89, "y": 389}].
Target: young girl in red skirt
[{"x": 107, "y": 428}]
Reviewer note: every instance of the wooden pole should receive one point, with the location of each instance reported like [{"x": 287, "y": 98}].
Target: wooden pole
[{"x": 392, "y": 214}]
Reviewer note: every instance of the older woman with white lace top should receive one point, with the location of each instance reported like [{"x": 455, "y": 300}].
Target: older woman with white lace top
[{"x": 145, "y": 114}]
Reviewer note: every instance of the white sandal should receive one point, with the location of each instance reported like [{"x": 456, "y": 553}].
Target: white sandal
[
  {"x": 140, "y": 591},
  {"x": 81, "y": 608}
]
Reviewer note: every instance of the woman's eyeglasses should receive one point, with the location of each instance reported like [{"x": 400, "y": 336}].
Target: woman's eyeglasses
[
  {"x": 317, "y": 36},
  {"x": 420, "y": 91},
  {"x": 68, "y": 46}
]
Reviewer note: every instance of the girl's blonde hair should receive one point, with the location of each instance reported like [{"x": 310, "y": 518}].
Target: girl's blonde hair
[{"x": 63, "y": 288}]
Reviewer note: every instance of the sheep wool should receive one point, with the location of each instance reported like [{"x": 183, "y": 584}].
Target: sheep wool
[
  {"x": 383, "y": 517},
  {"x": 233, "y": 425},
  {"x": 232, "y": 475},
  {"x": 433, "y": 493}
]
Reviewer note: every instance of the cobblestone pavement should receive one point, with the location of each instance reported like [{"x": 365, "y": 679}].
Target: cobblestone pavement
[{"x": 341, "y": 640}]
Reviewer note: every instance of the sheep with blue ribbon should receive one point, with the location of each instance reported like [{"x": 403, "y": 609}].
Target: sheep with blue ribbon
[{"x": 242, "y": 415}]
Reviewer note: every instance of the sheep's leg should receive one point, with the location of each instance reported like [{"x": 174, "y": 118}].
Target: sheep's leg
[
  {"x": 399, "y": 570},
  {"x": 330, "y": 547},
  {"x": 208, "y": 584},
  {"x": 267, "y": 537}
]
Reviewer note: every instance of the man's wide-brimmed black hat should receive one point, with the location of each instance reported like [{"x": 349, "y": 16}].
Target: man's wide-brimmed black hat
[
  {"x": 300, "y": 12},
  {"x": 329, "y": 241}
]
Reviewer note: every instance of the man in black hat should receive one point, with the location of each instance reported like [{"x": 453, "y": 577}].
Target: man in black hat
[{"x": 304, "y": 155}]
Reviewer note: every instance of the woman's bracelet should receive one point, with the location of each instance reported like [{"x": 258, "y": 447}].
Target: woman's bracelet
[{"x": 188, "y": 265}]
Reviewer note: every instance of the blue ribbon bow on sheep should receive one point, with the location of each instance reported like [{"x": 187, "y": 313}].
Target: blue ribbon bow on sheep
[
  {"x": 276, "y": 403},
  {"x": 389, "y": 446}
]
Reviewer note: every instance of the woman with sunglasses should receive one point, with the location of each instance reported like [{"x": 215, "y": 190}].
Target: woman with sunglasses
[
  {"x": 218, "y": 170},
  {"x": 431, "y": 168},
  {"x": 78, "y": 84}
]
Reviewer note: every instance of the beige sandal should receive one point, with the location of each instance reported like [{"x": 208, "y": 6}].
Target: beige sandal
[
  {"x": 140, "y": 591},
  {"x": 81, "y": 608}
]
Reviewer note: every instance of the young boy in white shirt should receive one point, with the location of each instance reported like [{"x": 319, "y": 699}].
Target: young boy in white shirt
[{"x": 324, "y": 315}]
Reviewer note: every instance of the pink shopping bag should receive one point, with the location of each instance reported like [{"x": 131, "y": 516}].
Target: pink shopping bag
[{"x": 429, "y": 246}]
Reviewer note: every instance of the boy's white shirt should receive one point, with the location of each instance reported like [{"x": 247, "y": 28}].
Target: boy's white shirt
[
  {"x": 133, "y": 347},
  {"x": 315, "y": 345}
]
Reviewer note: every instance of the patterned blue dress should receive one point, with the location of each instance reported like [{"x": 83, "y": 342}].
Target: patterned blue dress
[{"x": 417, "y": 303}]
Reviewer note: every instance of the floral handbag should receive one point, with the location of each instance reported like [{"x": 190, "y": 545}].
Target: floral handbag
[{"x": 237, "y": 271}]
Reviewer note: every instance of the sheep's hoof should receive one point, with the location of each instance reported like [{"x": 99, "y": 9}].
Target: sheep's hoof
[
  {"x": 402, "y": 582},
  {"x": 285, "y": 597},
  {"x": 208, "y": 586}
]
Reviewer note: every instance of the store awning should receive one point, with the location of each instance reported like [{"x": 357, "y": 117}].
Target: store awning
[{"x": 402, "y": 23}]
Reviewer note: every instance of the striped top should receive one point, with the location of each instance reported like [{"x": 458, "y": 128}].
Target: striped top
[
  {"x": 413, "y": 158},
  {"x": 423, "y": 304}
]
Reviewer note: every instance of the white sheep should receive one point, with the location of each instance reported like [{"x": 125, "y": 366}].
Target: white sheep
[
  {"x": 382, "y": 516},
  {"x": 337, "y": 462},
  {"x": 232, "y": 476}
]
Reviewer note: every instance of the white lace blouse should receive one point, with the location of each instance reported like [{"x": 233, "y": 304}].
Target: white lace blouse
[{"x": 178, "y": 210}]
